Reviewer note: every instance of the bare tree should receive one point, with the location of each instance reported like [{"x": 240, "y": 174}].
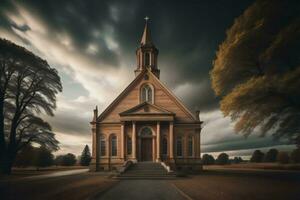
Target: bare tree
[{"x": 28, "y": 87}]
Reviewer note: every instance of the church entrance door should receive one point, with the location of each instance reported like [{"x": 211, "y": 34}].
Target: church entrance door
[{"x": 146, "y": 149}]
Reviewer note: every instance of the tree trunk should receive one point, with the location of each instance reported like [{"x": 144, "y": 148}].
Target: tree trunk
[
  {"x": 6, "y": 165},
  {"x": 3, "y": 150}
]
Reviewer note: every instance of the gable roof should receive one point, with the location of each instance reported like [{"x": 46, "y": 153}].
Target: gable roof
[
  {"x": 133, "y": 83},
  {"x": 108, "y": 108},
  {"x": 140, "y": 107}
]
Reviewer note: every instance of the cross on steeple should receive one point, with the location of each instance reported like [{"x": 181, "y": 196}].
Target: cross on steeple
[{"x": 146, "y": 18}]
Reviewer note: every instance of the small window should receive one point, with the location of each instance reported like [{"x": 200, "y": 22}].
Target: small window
[
  {"x": 147, "y": 59},
  {"x": 190, "y": 146},
  {"x": 114, "y": 145},
  {"x": 146, "y": 94},
  {"x": 164, "y": 146},
  {"x": 129, "y": 145},
  {"x": 146, "y": 131},
  {"x": 102, "y": 145},
  {"x": 179, "y": 146}
]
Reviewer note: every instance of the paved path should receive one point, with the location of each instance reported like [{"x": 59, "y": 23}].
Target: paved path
[
  {"x": 58, "y": 174},
  {"x": 143, "y": 189}
]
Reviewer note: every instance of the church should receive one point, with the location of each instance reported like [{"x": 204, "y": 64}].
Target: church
[{"x": 146, "y": 122}]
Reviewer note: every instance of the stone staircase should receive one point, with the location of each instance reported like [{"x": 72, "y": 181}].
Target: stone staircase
[{"x": 146, "y": 170}]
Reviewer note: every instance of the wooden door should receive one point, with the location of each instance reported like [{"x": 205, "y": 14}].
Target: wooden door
[{"x": 146, "y": 148}]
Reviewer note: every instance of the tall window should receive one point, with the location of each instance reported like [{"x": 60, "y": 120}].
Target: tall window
[
  {"x": 147, "y": 59},
  {"x": 129, "y": 145},
  {"x": 179, "y": 146},
  {"x": 146, "y": 94},
  {"x": 114, "y": 145},
  {"x": 102, "y": 145},
  {"x": 190, "y": 146},
  {"x": 164, "y": 146}
]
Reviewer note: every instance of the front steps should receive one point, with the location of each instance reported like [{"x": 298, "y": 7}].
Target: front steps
[{"x": 146, "y": 170}]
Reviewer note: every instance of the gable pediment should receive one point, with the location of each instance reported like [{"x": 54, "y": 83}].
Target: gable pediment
[
  {"x": 128, "y": 102},
  {"x": 146, "y": 109}
]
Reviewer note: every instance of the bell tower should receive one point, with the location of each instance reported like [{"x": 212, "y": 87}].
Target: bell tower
[{"x": 146, "y": 54}]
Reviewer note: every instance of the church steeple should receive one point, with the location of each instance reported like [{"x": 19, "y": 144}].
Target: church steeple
[
  {"x": 146, "y": 38},
  {"x": 147, "y": 53}
]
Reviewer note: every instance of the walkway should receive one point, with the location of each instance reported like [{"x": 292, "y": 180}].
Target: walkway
[{"x": 143, "y": 189}]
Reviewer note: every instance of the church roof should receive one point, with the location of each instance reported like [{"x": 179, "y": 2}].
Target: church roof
[{"x": 133, "y": 83}]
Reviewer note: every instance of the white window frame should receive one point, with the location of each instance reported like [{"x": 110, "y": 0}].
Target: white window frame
[{"x": 147, "y": 95}]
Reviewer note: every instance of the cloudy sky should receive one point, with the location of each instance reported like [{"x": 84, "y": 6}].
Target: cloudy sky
[{"x": 92, "y": 44}]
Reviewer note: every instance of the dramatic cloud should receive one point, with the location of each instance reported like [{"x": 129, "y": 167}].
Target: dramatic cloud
[{"x": 93, "y": 43}]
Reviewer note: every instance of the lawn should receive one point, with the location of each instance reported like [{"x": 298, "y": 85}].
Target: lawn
[
  {"x": 243, "y": 184},
  {"x": 267, "y": 166}
]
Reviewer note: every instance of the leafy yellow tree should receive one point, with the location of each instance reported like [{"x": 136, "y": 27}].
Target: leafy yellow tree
[{"x": 257, "y": 70}]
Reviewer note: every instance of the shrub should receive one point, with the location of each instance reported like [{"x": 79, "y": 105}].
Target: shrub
[
  {"x": 295, "y": 156},
  {"x": 237, "y": 160},
  {"x": 208, "y": 159},
  {"x": 257, "y": 156},
  {"x": 222, "y": 159},
  {"x": 65, "y": 160},
  {"x": 271, "y": 155},
  {"x": 44, "y": 157},
  {"x": 26, "y": 157},
  {"x": 283, "y": 157}
]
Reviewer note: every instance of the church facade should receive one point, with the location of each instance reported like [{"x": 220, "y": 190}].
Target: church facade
[{"x": 146, "y": 122}]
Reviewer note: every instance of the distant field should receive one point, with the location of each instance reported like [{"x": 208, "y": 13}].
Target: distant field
[{"x": 267, "y": 166}]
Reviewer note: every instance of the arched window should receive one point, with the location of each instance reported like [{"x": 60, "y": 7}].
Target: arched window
[
  {"x": 164, "y": 146},
  {"x": 129, "y": 145},
  {"x": 102, "y": 145},
  {"x": 146, "y": 94},
  {"x": 146, "y": 131},
  {"x": 190, "y": 146},
  {"x": 113, "y": 145},
  {"x": 179, "y": 146},
  {"x": 147, "y": 59}
]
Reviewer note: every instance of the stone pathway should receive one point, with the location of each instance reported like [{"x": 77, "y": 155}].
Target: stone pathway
[{"x": 143, "y": 189}]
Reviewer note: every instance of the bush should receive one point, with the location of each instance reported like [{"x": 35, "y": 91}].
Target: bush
[
  {"x": 257, "y": 156},
  {"x": 65, "y": 160},
  {"x": 26, "y": 157},
  {"x": 222, "y": 159},
  {"x": 283, "y": 157},
  {"x": 237, "y": 160},
  {"x": 271, "y": 155},
  {"x": 295, "y": 156},
  {"x": 208, "y": 159},
  {"x": 44, "y": 157}
]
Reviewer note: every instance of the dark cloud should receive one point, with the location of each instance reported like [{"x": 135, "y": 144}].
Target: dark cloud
[{"x": 186, "y": 33}]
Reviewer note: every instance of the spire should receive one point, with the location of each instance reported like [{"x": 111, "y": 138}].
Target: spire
[
  {"x": 146, "y": 54},
  {"x": 146, "y": 38}
]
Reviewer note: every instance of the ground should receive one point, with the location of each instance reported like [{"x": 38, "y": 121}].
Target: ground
[{"x": 211, "y": 184}]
